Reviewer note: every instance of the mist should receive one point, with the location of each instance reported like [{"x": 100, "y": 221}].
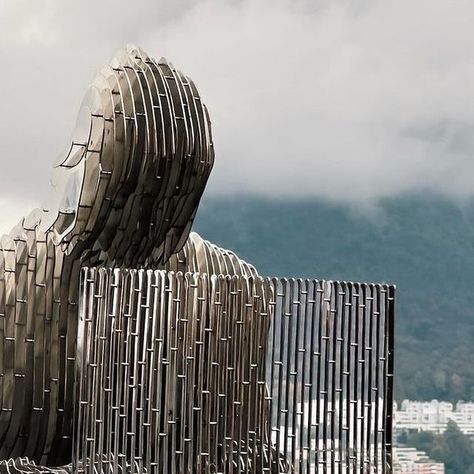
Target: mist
[{"x": 308, "y": 99}]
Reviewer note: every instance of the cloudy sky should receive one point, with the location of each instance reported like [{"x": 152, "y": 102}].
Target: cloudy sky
[{"x": 340, "y": 99}]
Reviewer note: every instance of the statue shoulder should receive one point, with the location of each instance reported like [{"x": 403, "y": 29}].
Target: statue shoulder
[{"x": 201, "y": 256}]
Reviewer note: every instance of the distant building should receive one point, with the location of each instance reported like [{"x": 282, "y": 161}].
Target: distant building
[
  {"x": 433, "y": 416},
  {"x": 412, "y": 461}
]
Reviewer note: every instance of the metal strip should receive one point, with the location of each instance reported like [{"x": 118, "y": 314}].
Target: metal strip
[{"x": 175, "y": 366}]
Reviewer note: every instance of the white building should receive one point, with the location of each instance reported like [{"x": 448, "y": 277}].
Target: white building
[
  {"x": 411, "y": 461},
  {"x": 434, "y": 416}
]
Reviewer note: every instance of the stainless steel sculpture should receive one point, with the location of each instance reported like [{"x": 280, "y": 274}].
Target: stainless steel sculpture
[
  {"x": 125, "y": 195},
  {"x": 175, "y": 368}
]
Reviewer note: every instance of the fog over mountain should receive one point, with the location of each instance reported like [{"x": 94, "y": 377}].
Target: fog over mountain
[
  {"x": 423, "y": 244},
  {"x": 346, "y": 101}
]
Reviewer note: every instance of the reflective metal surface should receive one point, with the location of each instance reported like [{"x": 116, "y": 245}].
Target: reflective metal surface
[
  {"x": 23, "y": 465},
  {"x": 174, "y": 370},
  {"x": 180, "y": 371},
  {"x": 124, "y": 193}
]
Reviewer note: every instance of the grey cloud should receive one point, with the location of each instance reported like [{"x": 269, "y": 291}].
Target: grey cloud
[{"x": 343, "y": 100}]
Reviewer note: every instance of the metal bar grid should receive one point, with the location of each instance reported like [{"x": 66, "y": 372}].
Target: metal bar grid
[{"x": 187, "y": 373}]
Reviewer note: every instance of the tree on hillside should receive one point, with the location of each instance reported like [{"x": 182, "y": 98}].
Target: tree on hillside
[
  {"x": 422, "y": 440},
  {"x": 457, "y": 450},
  {"x": 453, "y": 448}
]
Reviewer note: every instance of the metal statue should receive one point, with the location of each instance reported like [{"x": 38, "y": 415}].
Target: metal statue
[
  {"x": 124, "y": 196},
  {"x": 125, "y": 193},
  {"x": 197, "y": 373}
]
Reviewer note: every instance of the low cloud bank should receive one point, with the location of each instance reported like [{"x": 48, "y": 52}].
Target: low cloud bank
[{"x": 307, "y": 98}]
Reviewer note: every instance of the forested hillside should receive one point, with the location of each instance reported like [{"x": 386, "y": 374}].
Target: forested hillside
[{"x": 423, "y": 244}]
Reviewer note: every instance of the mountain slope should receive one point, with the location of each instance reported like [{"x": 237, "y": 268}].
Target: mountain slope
[{"x": 423, "y": 244}]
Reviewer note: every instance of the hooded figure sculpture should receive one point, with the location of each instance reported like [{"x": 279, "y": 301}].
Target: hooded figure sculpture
[{"x": 124, "y": 195}]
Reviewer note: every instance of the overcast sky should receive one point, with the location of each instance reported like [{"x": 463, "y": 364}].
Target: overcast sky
[{"x": 307, "y": 98}]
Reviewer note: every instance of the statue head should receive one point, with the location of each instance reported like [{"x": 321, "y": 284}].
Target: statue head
[{"x": 128, "y": 187}]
